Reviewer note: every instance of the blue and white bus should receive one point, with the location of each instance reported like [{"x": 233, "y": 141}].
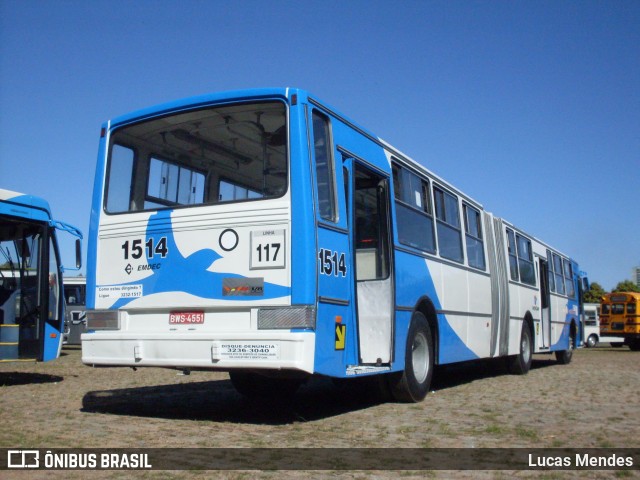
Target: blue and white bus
[
  {"x": 263, "y": 233},
  {"x": 31, "y": 301}
]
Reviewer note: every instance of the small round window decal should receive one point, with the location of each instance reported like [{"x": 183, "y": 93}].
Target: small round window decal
[{"x": 228, "y": 240}]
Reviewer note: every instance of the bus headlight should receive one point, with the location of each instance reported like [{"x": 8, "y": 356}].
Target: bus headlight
[
  {"x": 287, "y": 317},
  {"x": 103, "y": 320}
]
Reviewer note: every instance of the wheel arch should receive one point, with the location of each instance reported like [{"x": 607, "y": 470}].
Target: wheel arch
[
  {"x": 425, "y": 306},
  {"x": 528, "y": 320},
  {"x": 573, "y": 334}
]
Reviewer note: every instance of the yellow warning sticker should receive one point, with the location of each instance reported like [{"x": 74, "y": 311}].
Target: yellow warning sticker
[{"x": 341, "y": 334}]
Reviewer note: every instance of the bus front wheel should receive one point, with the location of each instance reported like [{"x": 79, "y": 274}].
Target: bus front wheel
[
  {"x": 412, "y": 385},
  {"x": 592, "y": 341}
]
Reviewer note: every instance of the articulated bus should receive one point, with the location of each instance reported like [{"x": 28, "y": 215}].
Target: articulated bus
[
  {"x": 31, "y": 302},
  {"x": 263, "y": 233},
  {"x": 620, "y": 316}
]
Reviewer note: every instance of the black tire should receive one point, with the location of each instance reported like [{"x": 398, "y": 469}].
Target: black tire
[
  {"x": 564, "y": 356},
  {"x": 616, "y": 344},
  {"x": 592, "y": 341},
  {"x": 371, "y": 388},
  {"x": 261, "y": 387},
  {"x": 634, "y": 345},
  {"x": 412, "y": 385},
  {"x": 521, "y": 363}
]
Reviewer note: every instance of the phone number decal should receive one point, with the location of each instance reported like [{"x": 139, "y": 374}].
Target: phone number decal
[
  {"x": 249, "y": 351},
  {"x": 115, "y": 292}
]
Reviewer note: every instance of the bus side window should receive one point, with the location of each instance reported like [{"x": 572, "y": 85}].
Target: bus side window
[
  {"x": 413, "y": 210},
  {"x": 448, "y": 225},
  {"x": 473, "y": 233},
  {"x": 120, "y": 179},
  {"x": 346, "y": 180},
  {"x": 568, "y": 279},
  {"x": 525, "y": 260},
  {"x": 513, "y": 258},
  {"x": 552, "y": 282},
  {"x": 557, "y": 270},
  {"x": 325, "y": 177}
]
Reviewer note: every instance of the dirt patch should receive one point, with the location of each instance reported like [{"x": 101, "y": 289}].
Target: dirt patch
[{"x": 592, "y": 402}]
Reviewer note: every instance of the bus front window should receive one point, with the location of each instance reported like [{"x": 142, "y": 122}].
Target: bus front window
[{"x": 220, "y": 154}]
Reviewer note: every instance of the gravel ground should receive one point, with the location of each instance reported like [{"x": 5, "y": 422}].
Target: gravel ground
[{"x": 592, "y": 402}]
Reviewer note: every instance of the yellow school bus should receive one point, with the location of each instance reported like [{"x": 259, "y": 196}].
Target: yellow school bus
[{"x": 620, "y": 316}]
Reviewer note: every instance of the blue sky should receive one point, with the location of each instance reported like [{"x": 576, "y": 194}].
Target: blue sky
[{"x": 532, "y": 108}]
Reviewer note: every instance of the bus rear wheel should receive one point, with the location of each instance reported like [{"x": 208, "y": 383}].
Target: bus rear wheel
[
  {"x": 564, "y": 356},
  {"x": 521, "y": 363},
  {"x": 412, "y": 385},
  {"x": 634, "y": 345},
  {"x": 592, "y": 341}
]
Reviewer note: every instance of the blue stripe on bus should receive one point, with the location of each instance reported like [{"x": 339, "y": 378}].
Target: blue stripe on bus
[
  {"x": 51, "y": 343},
  {"x": 563, "y": 340},
  {"x": 94, "y": 224},
  {"x": 303, "y": 232},
  {"x": 416, "y": 277},
  {"x": 192, "y": 271}
]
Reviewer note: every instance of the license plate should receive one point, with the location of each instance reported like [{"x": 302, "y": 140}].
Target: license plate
[{"x": 186, "y": 318}]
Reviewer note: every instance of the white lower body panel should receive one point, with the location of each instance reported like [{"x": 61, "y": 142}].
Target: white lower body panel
[{"x": 274, "y": 350}]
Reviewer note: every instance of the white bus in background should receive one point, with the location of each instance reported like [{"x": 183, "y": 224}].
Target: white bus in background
[
  {"x": 75, "y": 321},
  {"x": 591, "y": 328}
]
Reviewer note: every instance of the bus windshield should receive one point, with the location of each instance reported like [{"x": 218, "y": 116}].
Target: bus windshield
[
  {"x": 221, "y": 154},
  {"x": 18, "y": 249}
]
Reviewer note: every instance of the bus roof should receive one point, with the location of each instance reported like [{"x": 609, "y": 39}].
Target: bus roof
[
  {"x": 620, "y": 297},
  {"x": 284, "y": 93},
  {"x": 287, "y": 93},
  {"x": 200, "y": 100},
  {"x": 24, "y": 206}
]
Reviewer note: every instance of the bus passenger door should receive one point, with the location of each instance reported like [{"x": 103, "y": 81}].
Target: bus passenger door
[
  {"x": 370, "y": 240},
  {"x": 545, "y": 300},
  {"x": 23, "y": 281}
]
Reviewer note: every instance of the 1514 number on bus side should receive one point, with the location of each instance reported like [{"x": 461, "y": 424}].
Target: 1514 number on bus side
[{"x": 332, "y": 263}]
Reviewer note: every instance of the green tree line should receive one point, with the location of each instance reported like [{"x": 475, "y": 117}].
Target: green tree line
[{"x": 596, "y": 292}]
